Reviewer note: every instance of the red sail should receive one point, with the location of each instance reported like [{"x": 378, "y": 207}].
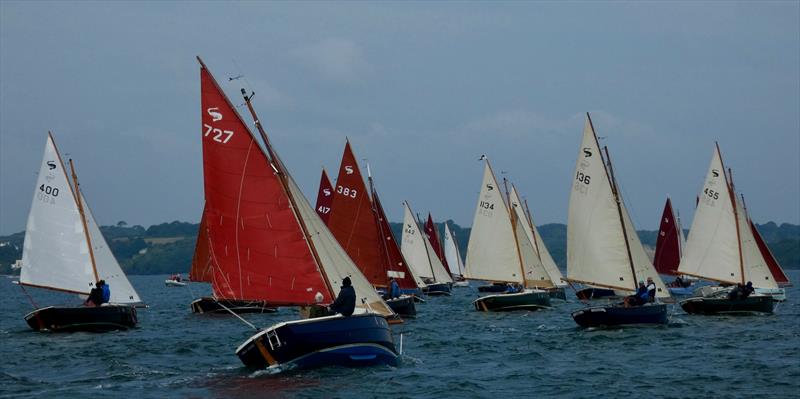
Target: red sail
[
  {"x": 397, "y": 264},
  {"x": 256, "y": 243},
  {"x": 774, "y": 268},
  {"x": 352, "y": 221},
  {"x": 435, "y": 240},
  {"x": 201, "y": 262},
  {"x": 324, "y": 197},
  {"x": 668, "y": 252}
]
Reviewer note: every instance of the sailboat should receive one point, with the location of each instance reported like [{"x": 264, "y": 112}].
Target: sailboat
[
  {"x": 454, "y": 261},
  {"x": 722, "y": 248},
  {"x": 778, "y": 294},
  {"x": 357, "y": 221},
  {"x": 603, "y": 249},
  {"x": 669, "y": 247},
  {"x": 260, "y": 222},
  {"x": 424, "y": 264},
  {"x": 65, "y": 251},
  {"x": 324, "y": 197},
  {"x": 222, "y": 301},
  {"x": 543, "y": 258},
  {"x": 499, "y": 251}
]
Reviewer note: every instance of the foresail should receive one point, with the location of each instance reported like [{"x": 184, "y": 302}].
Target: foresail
[
  {"x": 413, "y": 247},
  {"x": 440, "y": 274},
  {"x": 108, "y": 268},
  {"x": 434, "y": 238},
  {"x": 398, "y": 267},
  {"x": 333, "y": 258},
  {"x": 596, "y": 251},
  {"x": 755, "y": 265},
  {"x": 667, "y": 256},
  {"x": 641, "y": 262},
  {"x": 774, "y": 267},
  {"x": 324, "y": 197},
  {"x": 55, "y": 253},
  {"x": 202, "y": 268},
  {"x": 547, "y": 260},
  {"x": 492, "y": 251},
  {"x": 256, "y": 243},
  {"x": 535, "y": 273},
  {"x": 454, "y": 263},
  {"x": 712, "y": 248}
]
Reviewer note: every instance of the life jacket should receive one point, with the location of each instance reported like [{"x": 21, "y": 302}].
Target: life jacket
[{"x": 106, "y": 293}]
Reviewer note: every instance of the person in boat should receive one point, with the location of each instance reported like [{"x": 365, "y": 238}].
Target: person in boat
[
  {"x": 651, "y": 290},
  {"x": 394, "y": 289},
  {"x": 639, "y": 298},
  {"x": 747, "y": 290},
  {"x": 99, "y": 295},
  {"x": 345, "y": 302},
  {"x": 736, "y": 292}
]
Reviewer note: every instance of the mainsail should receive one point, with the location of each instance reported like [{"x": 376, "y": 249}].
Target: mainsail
[
  {"x": 492, "y": 251},
  {"x": 668, "y": 243},
  {"x": 603, "y": 248},
  {"x": 418, "y": 252},
  {"x": 324, "y": 197},
  {"x": 451, "y": 252},
  {"x": 398, "y": 267},
  {"x": 535, "y": 273},
  {"x": 549, "y": 264},
  {"x": 202, "y": 267}
]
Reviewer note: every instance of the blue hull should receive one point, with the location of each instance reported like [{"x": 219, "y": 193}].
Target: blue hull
[
  {"x": 438, "y": 289},
  {"x": 595, "y": 293},
  {"x": 596, "y": 316},
  {"x": 681, "y": 291},
  {"x": 359, "y": 340}
]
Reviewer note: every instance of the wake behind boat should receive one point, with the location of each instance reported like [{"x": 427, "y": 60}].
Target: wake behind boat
[{"x": 65, "y": 251}]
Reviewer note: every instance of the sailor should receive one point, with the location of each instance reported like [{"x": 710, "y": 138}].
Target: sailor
[
  {"x": 394, "y": 289},
  {"x": 95, "y": 295},
  {"x": 651, "y": 290},
  {"x": 639, "y": 298},
  {"x": 736, "y": 291},
  {"x": 106, "y": 290},
  {"x": 345, "y": 302},
  {"x": 747, "y": 290}
]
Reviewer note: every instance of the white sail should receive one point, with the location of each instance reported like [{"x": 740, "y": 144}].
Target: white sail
[
  {"x": 491, "y": 252},
  {"x": 535, "y": 273},
  {"x": 596, "y": 252},
  {"x": 712, "y": 249},
  {"x": 413, "y": 247},
  {"x": 641, "y": 262},
  {"x": 549, "y": 264},
  {"x": 107, "y": 266},
  {"x": 55, "y": 253},
  {"x": 451, "y": 253},
  {"x": 333, "y": 258},
  {"x": 755, "y": 266},
  {"x": 681, "y": 237},
  {"x": 440, "y": 274}
]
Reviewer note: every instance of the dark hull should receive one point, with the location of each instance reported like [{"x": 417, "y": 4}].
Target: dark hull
[
  {"x": 509, "y": 302},
  {"x": 712, "y": 306},
  {"x": 438, "y": 289},
  {"x": 497, "y": 288},
  {"x": 97, "y": 319},
  {"x": 211, "y": 305},
  {"x": 557, "y": 293},
  {"x": 353, "y": 341},
  {"x": 595, "y": 293},
  {"x": 597, "y": 316},
  {"x": 403, "y": 306}
]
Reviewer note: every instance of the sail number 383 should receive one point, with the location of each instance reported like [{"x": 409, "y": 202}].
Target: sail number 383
[
  {"x": 346, "y": 191},
  {"x": 218, "y": 135}
]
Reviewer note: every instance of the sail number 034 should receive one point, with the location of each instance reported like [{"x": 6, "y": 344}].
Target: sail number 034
[{"x": 220, "y": 136}]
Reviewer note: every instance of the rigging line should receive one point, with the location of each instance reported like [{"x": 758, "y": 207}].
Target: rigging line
[
  {"x": 237, "y": 316},
  {"x": 243, "y": 76},
  {"x": 30, "y": 298}
]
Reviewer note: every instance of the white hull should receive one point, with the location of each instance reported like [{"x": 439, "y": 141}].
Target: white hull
[
  {"x": 461, "y": 284},
  {"x": 778, "y": 294},
  {"x": 173, "y": 283}
]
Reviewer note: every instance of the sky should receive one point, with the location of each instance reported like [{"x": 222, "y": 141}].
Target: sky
[{"x": 421, "y": 89}]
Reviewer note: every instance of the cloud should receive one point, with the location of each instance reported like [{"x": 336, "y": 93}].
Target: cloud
[
  {"x": 339, "y": 60},
  {"x": 515, "y": 124}
]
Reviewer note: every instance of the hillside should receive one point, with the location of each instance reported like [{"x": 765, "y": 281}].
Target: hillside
[{"x": 168, "y": 247}]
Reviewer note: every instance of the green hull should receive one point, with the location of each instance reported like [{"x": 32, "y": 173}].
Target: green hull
[
  {"x": 712, "y": 306},
  {"x": 508, "y": 302}
]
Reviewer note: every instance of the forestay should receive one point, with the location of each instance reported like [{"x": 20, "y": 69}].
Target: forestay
[
  {"x": 596, "y": 251},
  {"x": 55, "y": 253},
  {"x": 712, "y": 249},
  {"x": 492, "y": 251},
  {"x": 535, "y": 273}
]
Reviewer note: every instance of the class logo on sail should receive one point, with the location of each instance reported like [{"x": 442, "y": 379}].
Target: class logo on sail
[
  {"x": 326, "y": 192},
  {"x": 51, "y": 165},
  {"x": 215, "y": 114},
  {"x": 348, "y": 169},
  {"x": 587, "y": 152}
]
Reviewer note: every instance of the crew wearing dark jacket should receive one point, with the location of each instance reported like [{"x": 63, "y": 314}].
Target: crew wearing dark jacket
[
  {"x": 345, "y": 302},
  {"x": 98, "y": 295}
]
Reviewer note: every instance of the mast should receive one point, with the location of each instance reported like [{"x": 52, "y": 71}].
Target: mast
[
  {"x": 615, "y": 191},
  {"x": 83, "y": 219},
  {"x": 513, "y": 216},
  {"x": 278, "y": 166},
  {"x": 732, "y": 194}
]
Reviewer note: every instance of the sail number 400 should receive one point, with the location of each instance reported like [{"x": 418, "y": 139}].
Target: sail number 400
[
  {"x": 220, "y": 136},
  {"x": 346, "y": 191},
  {"x": 49, "y": 190}
]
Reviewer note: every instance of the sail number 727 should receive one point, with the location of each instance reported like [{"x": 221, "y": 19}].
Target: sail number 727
[{"x": 220, "y": 136}]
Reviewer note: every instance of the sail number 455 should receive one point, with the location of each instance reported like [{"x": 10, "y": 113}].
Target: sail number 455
[{"x": 220, "y": 136}]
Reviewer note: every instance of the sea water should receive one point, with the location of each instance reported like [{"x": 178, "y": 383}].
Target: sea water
[{"x": 449, "y": 351}]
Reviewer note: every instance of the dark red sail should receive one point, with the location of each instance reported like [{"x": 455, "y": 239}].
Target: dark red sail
[
  {"x": 433, "y": 237},
  {"x": 201, "y": 262},
  {"x": 668, "y": 250},
  {"x": 352, "y": 221},
  {"x": 257, "y": 246},
  {"x": 774, "y": 268},
  {"x": 397, "y": 266},
  {"x": 324, "y": 197}
]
